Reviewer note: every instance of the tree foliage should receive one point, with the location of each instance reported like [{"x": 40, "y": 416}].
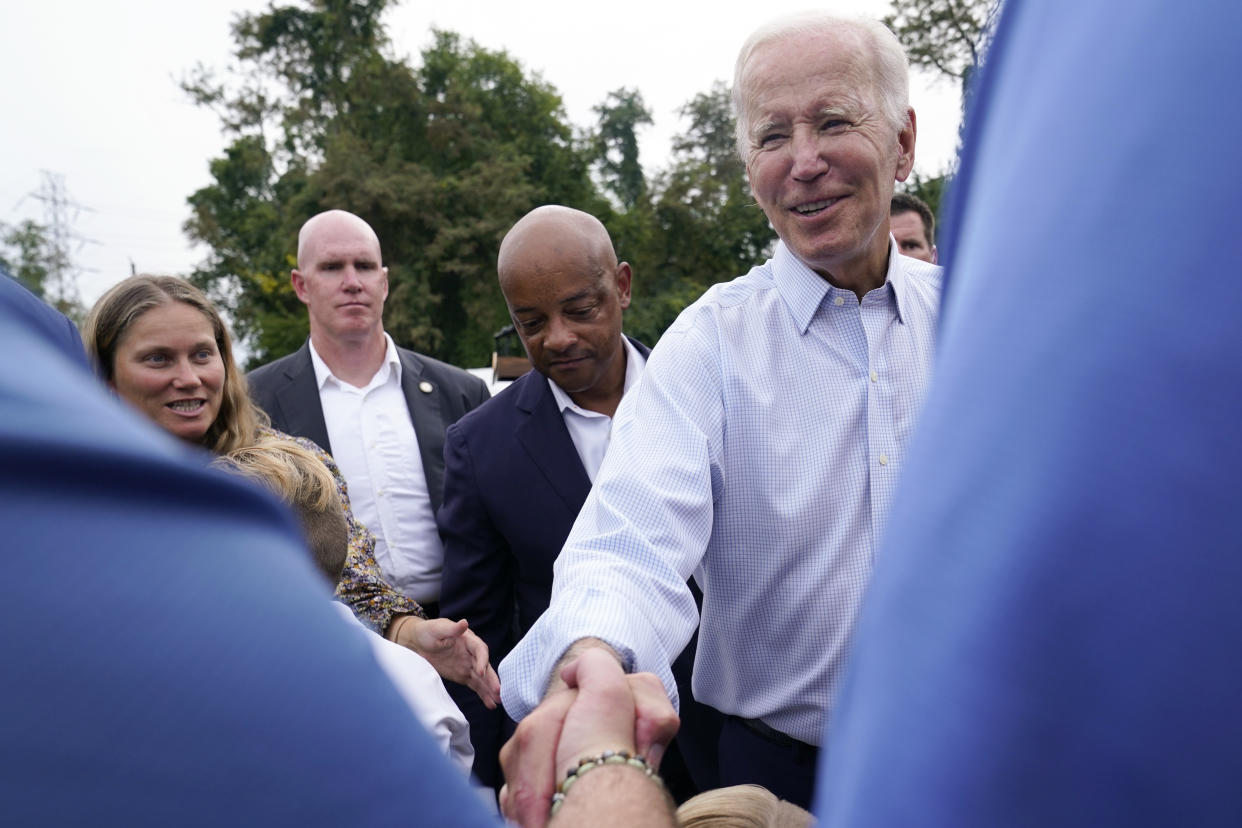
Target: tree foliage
[
  {"x": 439, "y": 159},
  {"x": 928, "y": 188},
  {"x": 703, "y": 224},
  {"x": 949, "y": 37},
  {"x": 615, "y": 145},
  {"x": 441, "y": 156},
  {"x": 946, "y": 36},
  {"x": 30, "y": 253}
]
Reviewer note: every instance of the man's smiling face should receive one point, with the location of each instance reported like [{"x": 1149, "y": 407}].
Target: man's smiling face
[{"x": 821, "y": 157}]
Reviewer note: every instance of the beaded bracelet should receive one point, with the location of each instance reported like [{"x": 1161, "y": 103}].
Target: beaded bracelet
[{"x": 608, "y": 757}]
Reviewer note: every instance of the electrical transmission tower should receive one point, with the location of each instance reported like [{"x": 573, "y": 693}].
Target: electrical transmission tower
[{"x": 60, "y": 212}]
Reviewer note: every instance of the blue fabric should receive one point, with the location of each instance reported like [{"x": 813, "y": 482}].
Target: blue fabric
[
  {"x": 761, "y": 449},
  {"x": 1054, "y": 627},
  {"x": 54, "y": 325},
  {"x": 151, "y": 674}
]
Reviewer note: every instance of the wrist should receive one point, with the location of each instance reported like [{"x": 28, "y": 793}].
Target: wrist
[
  {"x": 396, "y": 628},
  {"x": 602, "y": 764}
]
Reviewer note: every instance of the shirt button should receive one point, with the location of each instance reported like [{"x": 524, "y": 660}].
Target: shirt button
[
  {"x": 883, "y": 459},
  {"x": 839, "y": 301},
  {"x": 875, "y": 377}
]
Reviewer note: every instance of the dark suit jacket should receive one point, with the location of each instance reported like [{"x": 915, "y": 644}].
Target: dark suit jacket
[
  {"x": 287, "y": 391},
  {"x": 514, "y": 485}
]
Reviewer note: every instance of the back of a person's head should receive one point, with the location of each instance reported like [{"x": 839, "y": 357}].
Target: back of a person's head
[
  {"x": 741, "y": 806},
  {"x": 298, "y": 477}
]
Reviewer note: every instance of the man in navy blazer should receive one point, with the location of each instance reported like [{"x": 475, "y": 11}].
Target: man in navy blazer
[
  {"x": 379, "y": 410},
  {"x": 518, "y": 468}
]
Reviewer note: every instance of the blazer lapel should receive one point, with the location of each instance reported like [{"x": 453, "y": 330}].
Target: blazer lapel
[
  {"x": 543, "y": 434},
  {"x": 429, "y": 425},
  {"x": 299, "y": 401}
]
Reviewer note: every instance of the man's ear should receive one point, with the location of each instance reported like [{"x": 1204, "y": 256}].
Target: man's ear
[
  {"x": 905, "y": 144},
  {"x": 935, "y": 255},
  {"x": 385, "y": 271},
  {"x": 299, "y": 285},
  {"x": 624, "y": 275}
]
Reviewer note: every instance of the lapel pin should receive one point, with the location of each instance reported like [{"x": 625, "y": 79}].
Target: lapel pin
[{"x": 425, "y": 387}]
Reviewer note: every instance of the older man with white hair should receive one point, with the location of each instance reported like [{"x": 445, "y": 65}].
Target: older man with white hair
[{"x": 760, "y": 451}]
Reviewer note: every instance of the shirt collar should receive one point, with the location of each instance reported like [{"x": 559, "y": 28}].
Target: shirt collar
[
  {"x": 391, "y": 366},
  {"x": 634, "y": 363},
  {"x": 804, "y": 290}
]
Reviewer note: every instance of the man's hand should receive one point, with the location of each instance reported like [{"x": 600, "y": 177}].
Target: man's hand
[
  {"x": 656, "y": 721},
  {"x": 529, "y": 761},
  {"x": 457, "y": 653},
  {"x": 591, "y": 706}
]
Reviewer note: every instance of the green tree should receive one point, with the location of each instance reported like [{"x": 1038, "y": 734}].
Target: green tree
[
  {"x": 703, "y": 224},
  {"x": 440, "y": 159},
  {"x": 25, "y": 254},
  {"x": 946, "y": 36},
  {"x": 929, "y": 188},
  {"x": 949, "y": 37},
  {"x": 616, "y": 145},
  {"x": 30, "y": 253}
]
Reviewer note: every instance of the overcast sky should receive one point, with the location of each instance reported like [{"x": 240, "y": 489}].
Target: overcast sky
[{"x": 90, "y": 92}]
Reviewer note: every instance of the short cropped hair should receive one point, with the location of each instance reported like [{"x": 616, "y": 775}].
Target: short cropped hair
[
  {"x": 908, "y": 203},
  {"x": 742, "y": 806},
  {"x": 299, "y": 478},
  {"x": 889, "y": 68}
]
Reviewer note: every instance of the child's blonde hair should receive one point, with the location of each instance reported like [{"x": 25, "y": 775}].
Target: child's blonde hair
[
  {"x": 297, "y": 477},
  {"x": 742, "y": 806}
]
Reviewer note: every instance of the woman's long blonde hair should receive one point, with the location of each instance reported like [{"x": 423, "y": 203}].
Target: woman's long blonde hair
[{"x": 238, "y": 422}]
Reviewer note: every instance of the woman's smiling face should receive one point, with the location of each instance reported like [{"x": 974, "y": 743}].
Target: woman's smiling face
[{"x": 168, "y": 366}]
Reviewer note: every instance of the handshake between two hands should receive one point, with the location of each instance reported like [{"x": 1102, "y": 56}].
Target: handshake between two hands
[{"x": 599, "y": 708}]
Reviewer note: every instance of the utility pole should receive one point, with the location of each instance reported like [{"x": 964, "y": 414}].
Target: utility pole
[{"x": 60, "y": 212}]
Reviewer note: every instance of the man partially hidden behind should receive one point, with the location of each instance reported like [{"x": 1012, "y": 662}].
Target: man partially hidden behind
[
  {"x": 914, "y": 227},
  {"x": 761, "y": 449},
  {"x": 379, "y": 410},
  {"x": 518, "y": 468}
]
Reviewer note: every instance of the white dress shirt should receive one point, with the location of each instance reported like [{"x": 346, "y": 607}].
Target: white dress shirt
[
  {"x": 761, "y": 449},
  {"x": 591, "y": 430},
  {"x": 374, "y": 444}
]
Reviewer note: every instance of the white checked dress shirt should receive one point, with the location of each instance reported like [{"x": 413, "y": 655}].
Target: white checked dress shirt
[
  {"x": 761, "y": 449},
  {"x": 374, "y": 444}
]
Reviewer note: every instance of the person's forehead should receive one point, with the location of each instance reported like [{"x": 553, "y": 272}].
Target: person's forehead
[
  {"x": 177, "y": 317},
  {"x": 343, "y": 240},
  {"x": 907, "y": 224},
  {"x": 813, "y": 71},
  {"x": 556, "y": 281}
]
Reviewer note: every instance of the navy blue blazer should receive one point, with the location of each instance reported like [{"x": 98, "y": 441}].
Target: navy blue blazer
[
  {"x": 286, "y": 389},
  {"x": 513, "y": 486}
]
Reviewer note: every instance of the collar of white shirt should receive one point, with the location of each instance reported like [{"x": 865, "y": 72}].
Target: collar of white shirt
[
  {"x": 391, "y": 366},
  {"x": 804, "y": 290},
  {"x": 590, "y": 431},
  {"x": 634, "y": 363}
]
